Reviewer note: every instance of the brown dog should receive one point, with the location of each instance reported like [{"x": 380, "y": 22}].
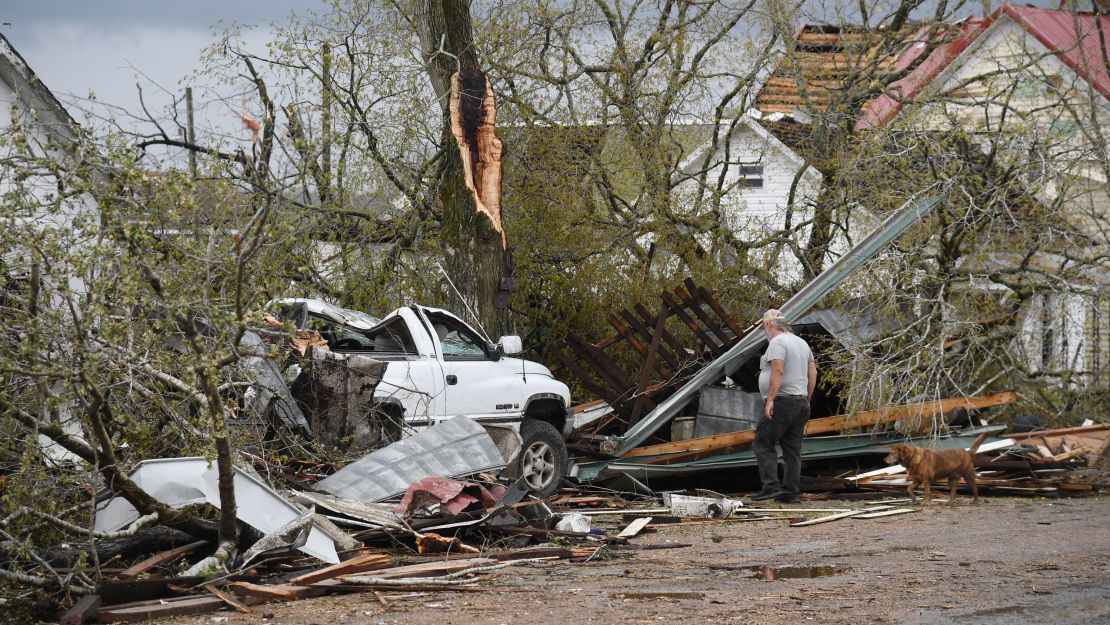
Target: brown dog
[{"x": 926, "y": 465}]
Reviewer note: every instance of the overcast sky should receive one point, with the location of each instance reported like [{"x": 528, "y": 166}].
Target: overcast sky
[{"x": 78, "y": 46}]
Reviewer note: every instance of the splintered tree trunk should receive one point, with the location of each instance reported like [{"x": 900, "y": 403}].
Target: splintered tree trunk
[{"x": 473, "y": 240}]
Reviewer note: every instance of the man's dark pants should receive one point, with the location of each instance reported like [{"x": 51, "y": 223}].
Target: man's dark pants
[{"x": 785, "y": 429}]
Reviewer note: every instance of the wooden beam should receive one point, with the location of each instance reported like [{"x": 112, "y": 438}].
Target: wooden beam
[
  {"x": 840, "y": 515},
  {"x": 885, "y": 513},
  {"x": 158, "y": 608},
  {"x": 1059, "y": 431},
  {"x": 159, "y": 559},
  {"x": 649, "y": 364},
  {"x": 357, "y": 564},
  {"x": 695, "y": 327},
  {"x": 585, "y": 378},
  {"x": 227, "y": 598},
  {"x": 600, "y": 364},
  {"x": 635, "y": 527},
  {"x": 277, "y": 592},
  {"x": 82, "y": 612},
  {"x": 645, "y": 331},
  {"x": 694, "y": 306},
  {"x": 676, "y": 346},
  {"x": 429, "y": 569},
  {"x": 628, "y": 331},
  {"x": 708, "y": 445}
]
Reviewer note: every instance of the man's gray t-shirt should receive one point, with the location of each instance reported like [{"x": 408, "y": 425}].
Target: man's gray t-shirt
[{"x": 796, "y": 356}]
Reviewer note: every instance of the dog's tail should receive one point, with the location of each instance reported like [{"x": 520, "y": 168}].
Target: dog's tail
[{"x": 978, "y": 441}]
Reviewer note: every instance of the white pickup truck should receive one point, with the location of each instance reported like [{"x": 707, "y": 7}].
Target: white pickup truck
[{"x": 438, "y": 367}]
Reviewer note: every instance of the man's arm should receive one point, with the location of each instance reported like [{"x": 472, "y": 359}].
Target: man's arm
[
  {"x": 812, "y": 379},
  {"x": 777, "y": 367}
]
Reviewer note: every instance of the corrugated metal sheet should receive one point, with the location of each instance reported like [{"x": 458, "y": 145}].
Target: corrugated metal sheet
[
  {"x": 451, "y": 448},
  {"x": 179, "y": 482}
]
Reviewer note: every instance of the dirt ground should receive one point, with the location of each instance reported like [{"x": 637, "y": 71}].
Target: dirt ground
[{"x": 1005, "y": 561}]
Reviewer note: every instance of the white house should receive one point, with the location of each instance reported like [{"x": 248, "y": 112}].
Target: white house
[
  {"x": 758, "y": 183},
  {"x": 27, "y": 106},
  {"x": 1047, "y": 70}
]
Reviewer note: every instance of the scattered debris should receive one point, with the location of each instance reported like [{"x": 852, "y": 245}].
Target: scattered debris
[
  {"x": 717, "y": 507},
  {"x": 574, "y": 522},
  {"x": 1045, "y": 462},
  {"x": 179, "y": 482}
]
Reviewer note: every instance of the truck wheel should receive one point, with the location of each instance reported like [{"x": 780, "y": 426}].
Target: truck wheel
[{"x": 543, "y": 458}]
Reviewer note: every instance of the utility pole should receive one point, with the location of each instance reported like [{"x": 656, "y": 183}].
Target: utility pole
[
  {"x": 326, "y": 121},
  {"x": 190, "y": 131}
]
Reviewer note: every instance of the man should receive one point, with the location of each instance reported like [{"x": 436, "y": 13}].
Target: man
[{"x": 787, "y": 377}]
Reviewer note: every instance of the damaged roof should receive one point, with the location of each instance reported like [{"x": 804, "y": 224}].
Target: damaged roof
[{"x": 825, "y": 61}]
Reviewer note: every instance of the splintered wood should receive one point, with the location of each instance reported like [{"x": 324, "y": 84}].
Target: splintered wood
[
  {"x": 692, "y": 449},
  {"x": 473, "y": 123},
  {"x": 358, "y": 564}
]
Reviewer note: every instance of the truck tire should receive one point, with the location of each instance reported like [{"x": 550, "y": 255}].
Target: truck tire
[{"x": 543, "y": 457}]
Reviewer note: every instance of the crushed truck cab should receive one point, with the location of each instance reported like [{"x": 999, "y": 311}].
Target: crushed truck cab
[{"x": 438, "y": 367}]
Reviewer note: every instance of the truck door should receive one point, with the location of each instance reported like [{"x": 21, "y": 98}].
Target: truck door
[
  {"x": 479, "y": 383},
  {"x": 414, "y": 376}
]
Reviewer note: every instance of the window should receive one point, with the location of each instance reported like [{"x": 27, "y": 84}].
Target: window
[
  {"x": 459, "y": 342},
  {"x": 1048, "y": 337},
  {"x": 391, "y": 337},
  {"x": 340, "y": 338},
  {"x": 751, "y": 176}
]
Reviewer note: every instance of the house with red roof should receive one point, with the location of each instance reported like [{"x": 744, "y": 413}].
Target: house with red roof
[
  {"x": 1033, "y": 81},
  {"x": 1068, "y": 49},
  {"x": 1038, "y": 77}
]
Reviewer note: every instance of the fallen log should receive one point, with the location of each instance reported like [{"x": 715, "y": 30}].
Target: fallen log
[{"x": 695, "y": 448}]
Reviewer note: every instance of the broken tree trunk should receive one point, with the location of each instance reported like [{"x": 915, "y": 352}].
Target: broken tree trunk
[{"x": 472, "y": 237}]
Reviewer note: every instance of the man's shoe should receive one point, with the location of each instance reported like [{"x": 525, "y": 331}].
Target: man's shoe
[
  {"x": 765, "y": 495},
  {"x": 788, "y": 499}
]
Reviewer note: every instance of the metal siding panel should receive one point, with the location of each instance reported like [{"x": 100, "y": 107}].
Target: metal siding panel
[{"x": 452, "y": 448}]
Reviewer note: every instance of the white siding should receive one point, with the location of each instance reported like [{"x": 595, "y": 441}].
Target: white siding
[{"x": 752, "y": 212}]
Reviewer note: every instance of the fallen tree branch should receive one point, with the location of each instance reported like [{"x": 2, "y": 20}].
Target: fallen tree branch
[
  {"x": 42, "y": 582},
  {"x": 223, "y": 553},
  {"x": 138, "y": 524}
]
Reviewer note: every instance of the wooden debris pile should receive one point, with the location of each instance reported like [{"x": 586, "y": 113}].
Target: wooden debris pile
[
  {"x": 1041, "y": 463},
  {"x": 651, "y": 354},
  {"x": 398, "y": 552}
]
